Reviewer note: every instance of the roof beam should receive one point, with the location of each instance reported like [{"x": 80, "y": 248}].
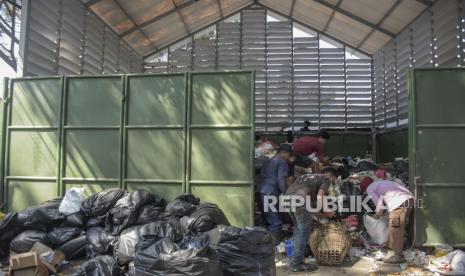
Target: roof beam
[
  {"x": 313, "y": 29},
  {"x": 180, "y": 17},
  {"x": 219, "y": 7},
  {"x": 355, "y": 17},
  {"x": 291, "y": 10},
  {"x": 331, "y": 17},
  {"x": 163, "y": 47},
  {"x": 158, "y": 17},
  {"x": 385, "y": 16},
  {"x": 425, "y": 2},
  {"x": 92, "y": 2}
]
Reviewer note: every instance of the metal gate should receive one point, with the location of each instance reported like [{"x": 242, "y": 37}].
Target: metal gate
[
  {"x": 168, "y": 134},
  {"x": 436, "y": 134}
]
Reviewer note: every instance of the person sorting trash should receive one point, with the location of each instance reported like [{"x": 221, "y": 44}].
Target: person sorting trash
[
  {"x": 307, "y": 146},
  {"x": 399, "y": 202},
  {"x": 311, "y": 187},
  {"x": 273, "y": 182}
]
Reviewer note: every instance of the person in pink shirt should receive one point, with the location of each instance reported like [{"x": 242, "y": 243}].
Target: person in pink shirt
[{"x": 399, "y": 202}]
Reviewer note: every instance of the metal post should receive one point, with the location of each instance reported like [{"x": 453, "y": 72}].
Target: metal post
[
  {"x": 216, "y": 47},
  {"x": 319, "y": 81},
  {"x": 266, "y": 71},
  {"x": 292, "y": 79},
  {"x": 345, "y": 87}
]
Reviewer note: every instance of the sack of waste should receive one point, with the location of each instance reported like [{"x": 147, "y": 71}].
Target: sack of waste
[
  {"x": 100, "y": 242},
  {"x": 76, "y": 220},
  {"x": 206, "y": 217},
  {"x": 150, "y": 213},
  {"x": 75, "y": 248},
  {"x": 183, "y": 205},
  {"x": 377, "y": 229},
  {"x": 100, "y": 203},
  {"x": 164, "y": 257},
  {"x": 43, "y": 216},
  {"x": 125, "y": 211},
  {"x": 99, "y": 266},
  {"x": 60, "y": 235},
  {"x": 124, "y": 250},
  {"x": 9, "y": 229},
  {"x": 246, "y": 251},
  {"x": 26, "y": 240},
  {"x": 72, "y": 201}
]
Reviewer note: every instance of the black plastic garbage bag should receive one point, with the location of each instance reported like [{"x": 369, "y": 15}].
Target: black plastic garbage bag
[
  {"x": 365, "y": 166},
  {"x": 100, "y": 242},
  {"x": 96, "y": 221},
  {"x": 246, "y": 251},
  {"x": 125, "y": 249},
  {"x": 77, "y": 220},
  {"x": 60, "y": 235},
  {"x": 150, "y": 213},
  {"x": 99, "y": 266},
  {"x": 100, "y": 203},
  {"x": 9, "y": 229},
  {"x": 164, "y": 257},
  {"x": 206, "y": 217},
  {"x": 126, "y": 210},
  {"x": 75, "y": 248},
  {"x": 189, "y": 198},
  {"x": 180, "y": 208},
  {"x": 43, "y": 216},
  {"x": 26, "y": 240}
]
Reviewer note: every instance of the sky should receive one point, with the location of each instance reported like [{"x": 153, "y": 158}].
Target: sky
[{"x": 6, "y": 70}]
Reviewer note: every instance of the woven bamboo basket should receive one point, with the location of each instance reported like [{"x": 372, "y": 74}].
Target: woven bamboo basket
[{"x": 330, "y": 243}]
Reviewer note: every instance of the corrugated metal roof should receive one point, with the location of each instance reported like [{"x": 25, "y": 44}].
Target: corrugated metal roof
[{"x": 149, "y": 25}]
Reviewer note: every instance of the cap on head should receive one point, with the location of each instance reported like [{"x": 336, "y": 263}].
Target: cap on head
[
  {"x": 323, "y": 134},
  {"x": 285, "y": 148},
  {"x": 365, "y": 182}
]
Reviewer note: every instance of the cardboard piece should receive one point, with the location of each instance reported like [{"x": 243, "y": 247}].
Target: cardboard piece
[
  {"x": 27, "y": 264},
  {"x": 50, "y": 258}
]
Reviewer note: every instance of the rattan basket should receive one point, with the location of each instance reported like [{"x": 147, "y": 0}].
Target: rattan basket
[{"x": 330, "y": 243}]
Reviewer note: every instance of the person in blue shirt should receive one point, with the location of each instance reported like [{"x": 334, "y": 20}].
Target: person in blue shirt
[{"x": 273, "y": 182}]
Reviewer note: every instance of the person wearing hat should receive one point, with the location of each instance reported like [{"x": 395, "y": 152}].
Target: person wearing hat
[
  {"x": 306, "y": 146},
  {"x": 399, "y": 202},
  {"x": 306, "y": 125},
  {"x": 273, "y": 182}
]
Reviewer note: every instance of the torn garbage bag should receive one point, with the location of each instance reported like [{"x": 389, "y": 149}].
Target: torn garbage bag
[
  {"x": 125, "y": 248},
  {"x": 125, "y": 211},
  {"x": 26, "y": 240},
  {"x": 42, "y": 216},
  {"x": 100, "y": 242},
  {"x": 206, "y": 217},
  {"x": 164, "y": 257},
  {"x": 246, "y": 251},
  {"x": 100, "y": 203},
  {"x": 99, "y": 266},
  {"x": 75, "y": 248},
  {"x": 59, "y": 235}
]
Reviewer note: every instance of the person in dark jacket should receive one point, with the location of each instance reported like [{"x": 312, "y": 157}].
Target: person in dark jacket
[{"x": 273, "y": 182}]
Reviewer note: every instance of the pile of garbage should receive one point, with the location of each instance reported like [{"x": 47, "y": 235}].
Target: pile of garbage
[{"x": 136, "y": 233}]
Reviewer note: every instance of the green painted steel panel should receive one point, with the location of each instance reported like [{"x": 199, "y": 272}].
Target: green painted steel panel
[
  {"x": 22, "y": 194},
  {"x": 168, "y": 191},
  {"x": 92, "y": 153},
  {"x": 219, "y": 154},
  {"x": 220, "y": 142},
  {"x": 391, "y": 144},
  {"x": 94, "y": 101},
  {"x": 33, "y": 153},
  {"x": 32, "y": 141},
  {"x": 436, "y": 132},
  {"x": 155, "y": 134}
]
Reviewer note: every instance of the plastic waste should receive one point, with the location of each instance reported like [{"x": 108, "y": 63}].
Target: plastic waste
[
  {"x": 77, "y": 220},
  {"x": 246, "y": 251},
  {"x": 189, "y": 198},
  {"x": 99, "y": 266},
  {"x": 206, "y": 217},
  {"x": 96, "y": 221},
  {"x": 378, "y": 229},
  {"x": 100, "y": 242},
  {"x": 100, "y": 203},
  {"x": 125, "y": 248},
  {"x": 42, "y": 216},
  {"x": 9, "y": 229},
  {"x": 149, "y": 213},
  {"x": 26, "y": 240},
  {"x": 75, "y": 248},
  {"x": 164, "y": 257},
  {"x": 125, "y": 211},
  {"x": 450, "y": 264},
  {"x": 60, "y": 235},
  {"x": 72, "y": 201}
]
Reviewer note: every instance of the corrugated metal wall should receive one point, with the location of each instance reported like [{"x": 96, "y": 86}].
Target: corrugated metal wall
[
  {"x": 434, "y": 39},
  {"x": 297, "y": 79},
  {"x": 63, "y": 37}
]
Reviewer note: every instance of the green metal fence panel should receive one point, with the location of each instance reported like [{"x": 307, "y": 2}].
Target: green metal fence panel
[
  {"x": 92, "y": 132},
  {"x": 32, "y": 141},
  {"x": 3, "y": 116},
  {"x": 436, "y": 135},
  {"x": 220, "y": 142},
  {"x": 155, "y": 134},
  {"x": 391, "y": 144}
]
